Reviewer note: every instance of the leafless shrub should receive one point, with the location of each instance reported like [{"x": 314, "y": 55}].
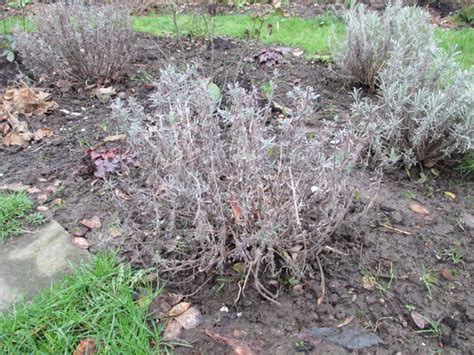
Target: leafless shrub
[
  {"x": 371, "y": 36},
  {"x": 80, "y": 42},
  {"x": 222, "y": 186},
  {"x": 425, "y": 110}
]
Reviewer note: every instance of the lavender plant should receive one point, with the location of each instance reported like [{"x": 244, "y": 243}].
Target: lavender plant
[
  {"x": 219, "y": 186},
  {"x": 371, "y": 39},
  {"x": 425, "y": 110},
  {"x": 78, "y": 41}
]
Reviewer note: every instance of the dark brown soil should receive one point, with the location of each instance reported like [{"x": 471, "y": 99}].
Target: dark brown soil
[{"x": 415, "y": 242}]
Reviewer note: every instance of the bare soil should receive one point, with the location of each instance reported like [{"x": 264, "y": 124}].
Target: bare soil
[{"x": 373, "y": 273}]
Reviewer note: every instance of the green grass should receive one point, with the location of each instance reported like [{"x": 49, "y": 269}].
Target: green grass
[
  {"x": 463, "y": 39},
  {"x": 96, "y": 302},
  {"x": 467, "y": 164},
  {"x": 14, "y": 209},
  {"x": 309, "y": 34}
]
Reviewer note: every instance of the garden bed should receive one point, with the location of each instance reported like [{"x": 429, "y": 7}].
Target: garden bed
[{"x": 377, "y": 272}]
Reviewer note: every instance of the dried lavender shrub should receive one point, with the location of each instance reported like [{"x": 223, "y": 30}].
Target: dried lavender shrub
[
  {"x": 78, "y": 41},
  {"x": 218, "y": 186}
]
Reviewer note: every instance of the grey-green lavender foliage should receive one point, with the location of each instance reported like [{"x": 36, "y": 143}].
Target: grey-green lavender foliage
[
  {"x": 371, "y": 39},
  {"x": 423, "y": 112},
  {"x": 78, "y": 41},
  {"x": 222, "y": 185}
]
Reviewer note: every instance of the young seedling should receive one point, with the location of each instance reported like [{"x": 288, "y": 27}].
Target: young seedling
[
  {"x": 454, "y": 254},
  {"x": 410, "y": 195},
  {"x": 434, "y": 328},
  {"x": 429, "y": 280}
]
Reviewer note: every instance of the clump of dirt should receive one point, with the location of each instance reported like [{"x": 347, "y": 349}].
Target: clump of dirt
[{"x": 397, "y": 260}]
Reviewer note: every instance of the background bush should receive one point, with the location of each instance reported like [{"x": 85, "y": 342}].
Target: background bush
[
  {"x": 424, "y": 110},
  {"x": 79, "y": 42},
  {"x": 371, "y": 38},
  {"x": 222, "y": 186}
]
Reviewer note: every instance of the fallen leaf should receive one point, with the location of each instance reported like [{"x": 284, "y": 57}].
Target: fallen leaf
[
  {"x": 189, "y": 319},
  {"x": 42, "y": 198},
  {"x": 346, "y": 321},
  {"x": 419, "y": 320},
  {"x": 239, "y": 268},
  {"x": 297, "y": 52},
  {"x": 43, "y": 133},
  {"x": 13, "y": 138},
  {"x": 64, "y": 85},
  {"x": 86, "y": 347},
  {"x": 450, "y": 195},
  {"x": 367, "y": 283},
  {"x": 16, "y": 187},
  {"x": 238, "y": 347},
  {"x": 4, "y": 129},
  {"x": 57, "y": 202},
  {"x": 416, "y": 207},
  {"x": 173, "y": 330},
  {"x": 33, "y": 190},
  {"x": 93, "y": 223},
  {"x": 104, "y": 94},
  {"x": 27, "y": 101},
  {"x": 115, "y": 137},
  {"x": 81, "y": 242},
  {"x": 180, "y": 308},
  {"x": 446, "y": 274},
  {"x": 161, "y": 305}
]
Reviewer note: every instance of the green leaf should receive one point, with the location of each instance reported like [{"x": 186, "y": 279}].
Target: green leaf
[
  {"x": 10, "y": 56},
  {"x": 215, "y": 92}
]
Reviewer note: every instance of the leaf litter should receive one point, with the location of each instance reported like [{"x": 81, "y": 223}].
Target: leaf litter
[{"x": 28, "y": 102}]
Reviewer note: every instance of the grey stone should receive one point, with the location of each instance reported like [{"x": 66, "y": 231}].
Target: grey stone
[
  {"x": 30, "y": 263},
  {"x": 469, "y": 220},
  {"x": 349, "y": 338}
]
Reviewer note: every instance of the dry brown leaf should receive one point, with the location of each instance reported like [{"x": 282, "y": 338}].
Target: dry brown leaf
[
  {"x": 419, "y": 320},
  {"x": 42, "y": 198},
  {"x": 237, "y": 214},
  {"x": 180, "y": 308},
  {"x": 367, "y": 283},
  {"x": 64, "y": 85},
  {"x": 86, "y": 347},
  {"x": 173, "y": 330},
  {"x": 93, "y": 223},
  {"x": 15, "y": 139},
  {"x": 115, "y": 137},
  {"x": 16, "y": 187},
  {"x": 189, "y": 319},
  {"x": 346, "y": 321},
  {"x": 43, "y": 133},
  {"x": 24, "y": 100},
  {"x": 81, "y": 242},
  {"x": 238, "y": 347},
  {"x": 33, "y": 190},
  {"x": 417, "y": 208},
  {"x": 4, "y": 129}
]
